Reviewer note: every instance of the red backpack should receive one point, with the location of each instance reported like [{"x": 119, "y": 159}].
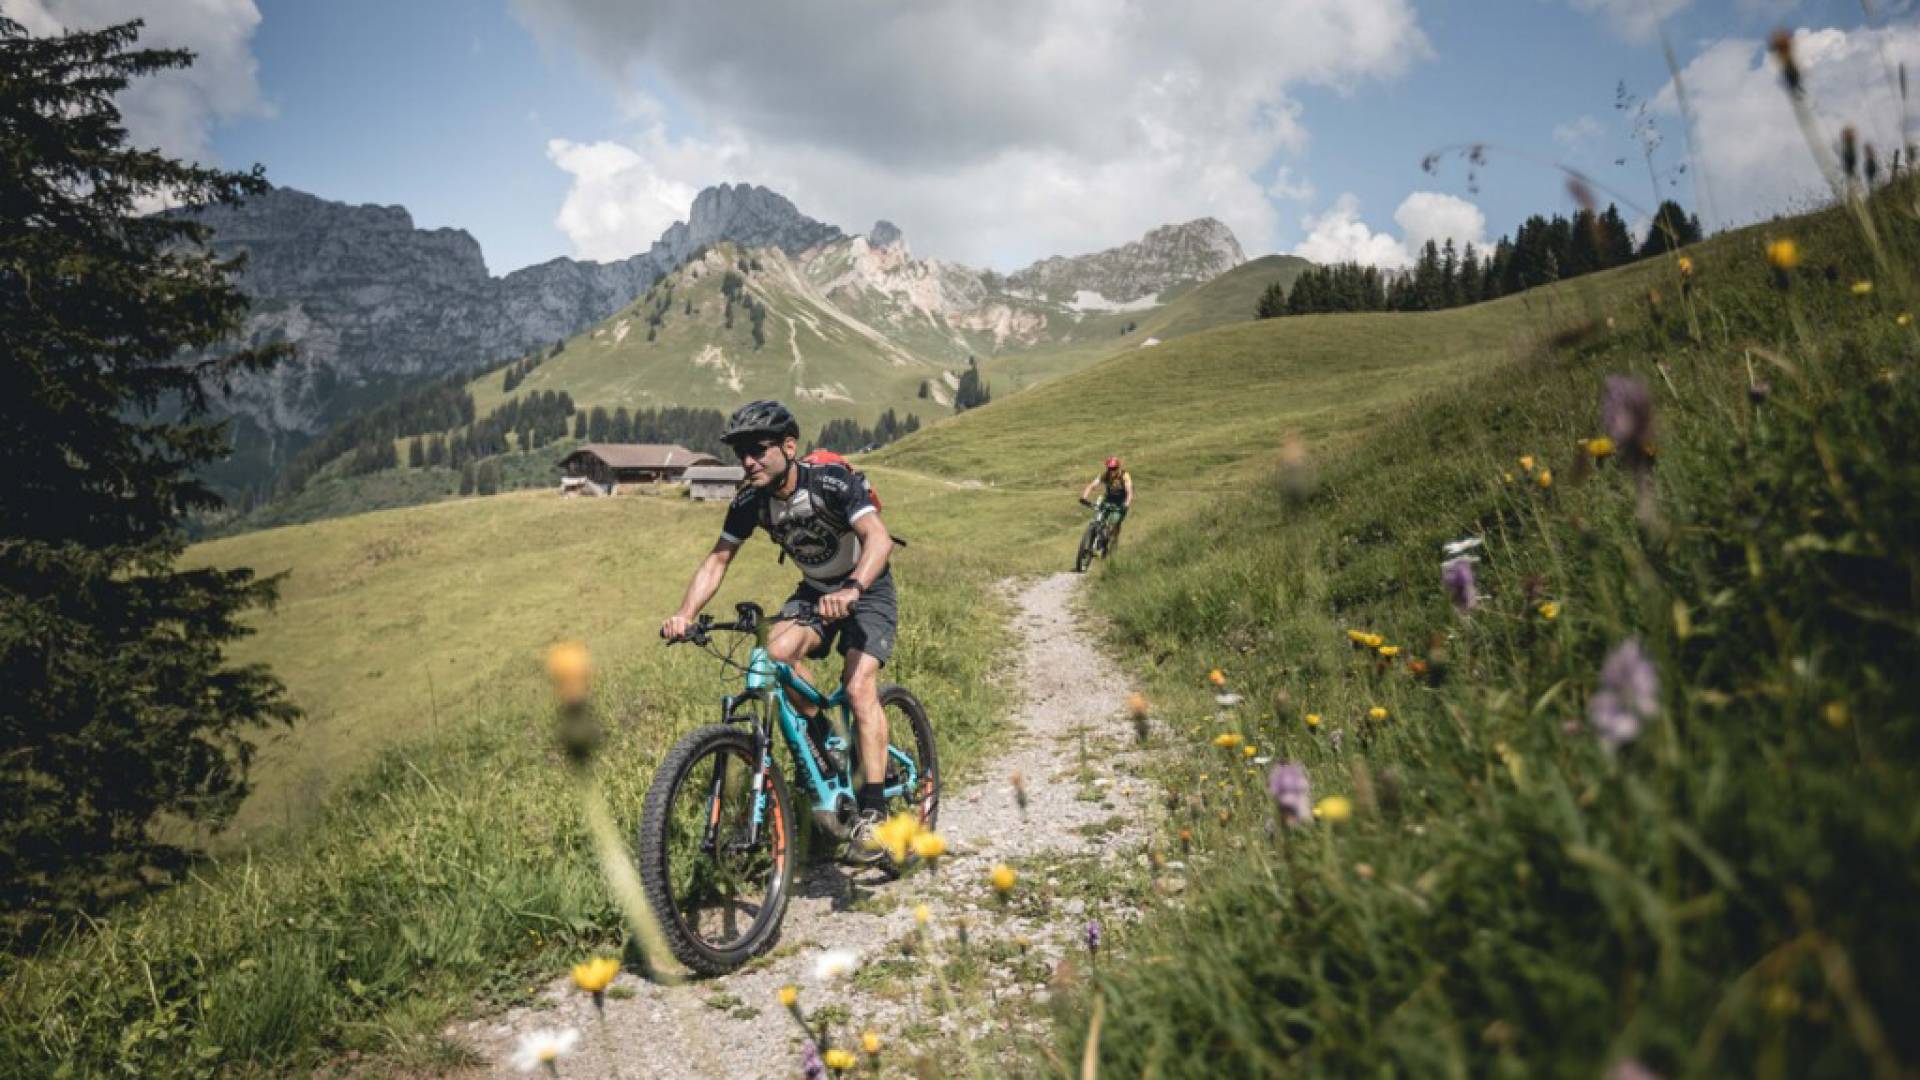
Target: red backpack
[{"x": 828, "y": 457}]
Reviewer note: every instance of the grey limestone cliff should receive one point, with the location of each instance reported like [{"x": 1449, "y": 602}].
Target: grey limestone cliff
[{"x": 1169, "y": 255}]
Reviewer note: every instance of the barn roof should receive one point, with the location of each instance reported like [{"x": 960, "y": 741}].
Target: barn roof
[
  {"x": 731, "y": 474},
  {"x": 643, "y": 455}
]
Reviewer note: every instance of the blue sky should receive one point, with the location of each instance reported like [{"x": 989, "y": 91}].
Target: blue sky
[{"x": 994, "y": 131}]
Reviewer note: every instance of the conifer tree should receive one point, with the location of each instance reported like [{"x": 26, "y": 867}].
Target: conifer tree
[{"x": 119, "y": 704}]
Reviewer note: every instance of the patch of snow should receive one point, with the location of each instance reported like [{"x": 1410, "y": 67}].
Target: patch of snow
[
  {"x": 1150, "y": 343},
  {"x": 1088, "y": 300},
  {"x": 620, "y": 330}
]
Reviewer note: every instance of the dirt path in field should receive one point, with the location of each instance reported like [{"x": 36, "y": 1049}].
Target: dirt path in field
[{"x": 1084, "y": 821}]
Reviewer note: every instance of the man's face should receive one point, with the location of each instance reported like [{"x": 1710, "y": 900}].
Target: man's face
[{"x": 765, "y": 460}]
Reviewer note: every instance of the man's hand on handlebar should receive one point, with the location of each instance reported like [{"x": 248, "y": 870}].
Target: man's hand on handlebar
[
  {"x": 1086, "y": 502},
  {"x": 675, "y": 628},
  {"x": 837, "y": 605}
]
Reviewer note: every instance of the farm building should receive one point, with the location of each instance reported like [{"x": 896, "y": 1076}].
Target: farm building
[
  {"x": 714, "y": 481},
  {"x": 608, "y": 465}
]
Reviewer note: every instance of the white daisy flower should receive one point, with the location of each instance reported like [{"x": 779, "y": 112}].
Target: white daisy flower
[
  {"x": 1228, "y": 700},
  {"x": 541, "y": 1049},
  {"x": 835, "y": 964}
]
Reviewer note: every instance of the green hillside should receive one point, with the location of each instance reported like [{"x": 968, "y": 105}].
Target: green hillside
[
  {"x": 1227, "y": 299},
  {"x": 425, "y": 771}
]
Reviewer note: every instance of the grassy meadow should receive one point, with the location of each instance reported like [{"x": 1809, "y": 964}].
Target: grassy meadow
[
  {"x": 1728, "y": 892},
  {"x": 411, "y": 848},
  {"x": 1651, "y": 800}
]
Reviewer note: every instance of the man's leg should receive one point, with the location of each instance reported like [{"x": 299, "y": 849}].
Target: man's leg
[
  {"x": 789, "y": 643},
  {"x": 863, "y": 693}
]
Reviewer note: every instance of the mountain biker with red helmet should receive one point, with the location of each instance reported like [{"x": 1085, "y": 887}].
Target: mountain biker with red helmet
[
  {"x": 823, "y": 516},
  {"x": 1117, "y": 496}
]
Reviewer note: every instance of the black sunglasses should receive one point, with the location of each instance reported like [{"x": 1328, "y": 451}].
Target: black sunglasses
[{"x": 756, "y": 450}]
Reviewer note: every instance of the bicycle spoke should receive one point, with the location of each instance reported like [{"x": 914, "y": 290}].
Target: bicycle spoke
[{"x": 718, "y": 881}]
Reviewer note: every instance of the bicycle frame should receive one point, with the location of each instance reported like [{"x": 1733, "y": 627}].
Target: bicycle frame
[{"x": 767, "y": 681}]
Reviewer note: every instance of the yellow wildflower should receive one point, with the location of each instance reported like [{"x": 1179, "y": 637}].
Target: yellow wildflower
[
  {"x": 789, "y": 996},
  {"x": 895, "y": 834},
  {"x": 1217, "y": 677},
  {"x": 1227, "y": 740},
  {"x": 1137, "y": 704},
  {"x": 1313, "y": 719},
  {"x": 1545, "y": 478},
  {"x": 1389, "y": 651},
  {"x": 922, "y": 914},
  {"x": 1249, "y": 750},
  {"x": 1597, "y": 448},
  {"x": 870, "y": 1041},
  {"x": 1903, "y": 319},
  {"x": 569, "y": 666},
  {"x": 595, "y": 975},
  {"x": 1333, "y": 808},
  {"x": 839, "y": 1060},
  {"x": 1783, "y": 254},
  {"x": 1863, "y": 288},
  {"x": 1378, "y": 712},
  {"x": 1003, "y": 877},
  {"x": 1506, "y": 477},
  {"x": 1835, "y": 714},
  {"x": 1686, "y": 266},
  {"x": 1550, "y": 610},
  {"x": 1526, "y": 462},
  {"x": 929, "y": 845}
]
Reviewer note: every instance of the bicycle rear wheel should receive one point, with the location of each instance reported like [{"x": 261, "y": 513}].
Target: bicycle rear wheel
[{"x": 718, "y": 894}]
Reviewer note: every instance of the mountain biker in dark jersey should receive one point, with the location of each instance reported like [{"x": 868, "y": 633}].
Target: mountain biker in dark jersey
[
  {"x": 824, "y": 518},
  {"x": 1117, "y": 496}
]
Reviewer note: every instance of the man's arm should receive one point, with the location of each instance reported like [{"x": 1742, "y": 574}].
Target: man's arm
[
  {"x": 706, "y": 581},
  {"x": 876, "y": 545}
]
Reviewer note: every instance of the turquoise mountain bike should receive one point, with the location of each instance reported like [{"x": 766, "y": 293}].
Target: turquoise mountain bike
[{"x": 717, "y": 833}]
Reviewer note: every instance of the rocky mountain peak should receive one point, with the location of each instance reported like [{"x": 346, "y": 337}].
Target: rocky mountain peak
[
  {"x": 749, "y": 216},
  {"x": 1193, "y": 251},
  {"x": 884, "y": 234}
]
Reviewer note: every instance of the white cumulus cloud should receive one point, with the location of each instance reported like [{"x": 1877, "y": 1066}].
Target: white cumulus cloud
[
  {"x": 1750, "y": 152},
  {"x": 1339, "y": 234},
  {"x": 992, "y": 131},
  {"x": 174, "y": 111}
]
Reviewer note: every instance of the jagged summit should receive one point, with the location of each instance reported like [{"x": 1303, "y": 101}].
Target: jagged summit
[
  {"x": 1169, "y": 255},
  {"x": 744, "y": 214},
  {"x": 884, "y": 234}
]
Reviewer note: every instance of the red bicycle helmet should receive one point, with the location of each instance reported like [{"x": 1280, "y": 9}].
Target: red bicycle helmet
[{"x": 1113, "y": 463}]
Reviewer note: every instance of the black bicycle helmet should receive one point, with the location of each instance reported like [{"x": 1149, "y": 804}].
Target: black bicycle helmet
[{"x": 760, "y": 420}]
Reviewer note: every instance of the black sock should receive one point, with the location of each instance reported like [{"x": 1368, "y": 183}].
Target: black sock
[{"x": 872, "y": 797}]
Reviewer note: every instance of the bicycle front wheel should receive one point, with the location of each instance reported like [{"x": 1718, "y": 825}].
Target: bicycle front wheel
[
  {"x": 716, "y": 850},
  {"x": 1087, "y": 541}
]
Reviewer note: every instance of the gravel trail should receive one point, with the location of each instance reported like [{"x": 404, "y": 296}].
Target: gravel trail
[{"x": 1069, "y": 745}]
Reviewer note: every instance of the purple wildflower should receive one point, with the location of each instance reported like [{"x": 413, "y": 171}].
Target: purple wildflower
[
  {"x": 1456, "y": 575},
  {"x": 811, "y": 1066},
  {"x": 1093, "y": 935},
  {"x": 1629, "y": 695},
  {"x": 1290, "y": 788},
  {"x": 1626, "y": 412}
]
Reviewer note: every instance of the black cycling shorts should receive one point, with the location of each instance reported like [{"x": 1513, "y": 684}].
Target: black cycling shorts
[{"x": 870, "y": 627}]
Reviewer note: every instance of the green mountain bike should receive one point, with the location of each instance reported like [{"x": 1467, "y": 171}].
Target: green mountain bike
[
  {"x": 1097, "y": 541},
  {"x": 717, "y": 833}
]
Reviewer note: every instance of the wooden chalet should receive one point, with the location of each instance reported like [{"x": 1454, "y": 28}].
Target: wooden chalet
[{"x": 608, "y": 465}]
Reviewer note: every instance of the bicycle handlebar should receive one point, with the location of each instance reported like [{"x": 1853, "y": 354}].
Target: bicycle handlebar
[{"x": 701, "y": 630}]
